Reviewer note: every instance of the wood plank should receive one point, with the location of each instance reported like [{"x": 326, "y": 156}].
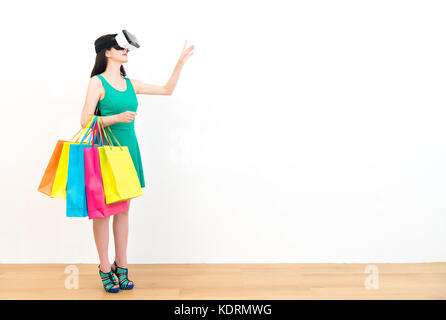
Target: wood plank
[{"x": 232, "y": 281}]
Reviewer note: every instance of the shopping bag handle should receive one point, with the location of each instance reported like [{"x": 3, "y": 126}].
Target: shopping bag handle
[
  {"x": 110, "y": 130},
  {"x": 89, "y": 133},
  {"x": 107, "y": 137},
  {"x": 91, "y": 136},
  {"x": 97, "y": 133},
  {"x": 92, "y": 124},
  {"x": 82, "y": 129},
  {"x": 102, "y": 131},
  {"x": 94, "y": 135}
]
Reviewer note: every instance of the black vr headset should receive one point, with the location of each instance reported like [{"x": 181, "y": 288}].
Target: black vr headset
[{"x": 122, "y": 40}]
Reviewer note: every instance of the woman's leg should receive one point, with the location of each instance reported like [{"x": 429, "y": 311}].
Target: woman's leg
[
  {"x": 100, "y": 230},
  {"x": 121, "y": 232}
]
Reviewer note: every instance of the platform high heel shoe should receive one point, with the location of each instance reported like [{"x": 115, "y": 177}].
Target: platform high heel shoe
[
  {"x": 124, "y": 281},
  {"x": 108, "y": 281}
]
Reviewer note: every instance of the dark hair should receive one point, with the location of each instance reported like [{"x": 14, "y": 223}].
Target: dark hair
[{"x": 101, "y": 60}]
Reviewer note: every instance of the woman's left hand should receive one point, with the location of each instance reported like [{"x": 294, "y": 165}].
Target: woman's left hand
[{"x": 185, "y": 54}]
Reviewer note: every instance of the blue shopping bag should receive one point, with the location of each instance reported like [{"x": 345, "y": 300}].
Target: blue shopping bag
[{"x": 76, "y": 192}]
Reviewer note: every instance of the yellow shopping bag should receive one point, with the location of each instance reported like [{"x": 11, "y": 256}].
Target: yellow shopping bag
[
  {"x": 59, "y": 189},
  {"x": 119, "y": 176}
]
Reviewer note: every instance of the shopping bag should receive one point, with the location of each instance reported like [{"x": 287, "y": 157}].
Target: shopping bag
[
  {"x": 59, "y": 188},
  {"x": 76, "y": 204},
  {"x": 119, "y": 175},
  {"x": 97, "y": 208},
  {"x": 46, "y": 184}
]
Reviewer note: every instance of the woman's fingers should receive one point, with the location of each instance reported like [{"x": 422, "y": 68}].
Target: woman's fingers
[{"x": 129, "y": 116}]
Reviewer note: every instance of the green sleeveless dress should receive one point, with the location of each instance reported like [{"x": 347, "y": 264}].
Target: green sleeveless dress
[{"x": 116, "y": 101}]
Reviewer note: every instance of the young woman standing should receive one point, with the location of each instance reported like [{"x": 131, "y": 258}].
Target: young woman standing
[{"x": 112, "y": 96}]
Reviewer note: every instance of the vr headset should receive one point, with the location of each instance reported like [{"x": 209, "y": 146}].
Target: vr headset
[{"x": 123, "y": 40}]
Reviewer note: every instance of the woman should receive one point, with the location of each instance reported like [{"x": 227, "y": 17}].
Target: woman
[{"x": 112, "y": 96}]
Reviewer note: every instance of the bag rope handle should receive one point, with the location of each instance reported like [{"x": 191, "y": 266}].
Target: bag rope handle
[
  {"x": 98, "y": 133},
  {"x": 113, "y": 136},
  {"x": 91, "y": 142},
  {"x": 106, "y": 134},
  {"x": 87, "y": 126},
  {"x": 101, "y": 126},
  {"x": 91, "y": 125}
]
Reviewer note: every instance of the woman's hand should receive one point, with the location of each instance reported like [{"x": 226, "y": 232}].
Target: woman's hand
[
  {"x": 126, "y": 116},
  {"x": 185, "y": 54},
  {"x": 172, "y": 82}
]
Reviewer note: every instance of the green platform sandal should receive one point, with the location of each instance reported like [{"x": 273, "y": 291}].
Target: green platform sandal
[
  {"x": 108, "y": 281},
  {"x": 122, "y": 274}
]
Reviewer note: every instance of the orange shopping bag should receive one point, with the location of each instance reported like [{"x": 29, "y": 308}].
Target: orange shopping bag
[{"x": 46, "y": 184}]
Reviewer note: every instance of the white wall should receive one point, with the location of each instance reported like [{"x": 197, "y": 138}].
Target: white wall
[{"x": 309, "y": 131}]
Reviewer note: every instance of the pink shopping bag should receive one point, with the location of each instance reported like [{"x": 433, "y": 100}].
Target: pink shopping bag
[{"x": 97, "y": 208}]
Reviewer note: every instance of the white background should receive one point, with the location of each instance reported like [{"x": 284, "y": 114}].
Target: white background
[{"x": 299, "y": 131}]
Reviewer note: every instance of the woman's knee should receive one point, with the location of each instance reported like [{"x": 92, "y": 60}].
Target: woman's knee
[{"x": 101, "y": 220}]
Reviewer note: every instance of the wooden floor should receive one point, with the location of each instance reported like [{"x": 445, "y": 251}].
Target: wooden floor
[{"x": 231, "y": 281}]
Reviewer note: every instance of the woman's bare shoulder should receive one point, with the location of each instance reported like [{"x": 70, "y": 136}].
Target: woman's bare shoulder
[
  {"x": 95, "y": 87},
  {"x": 95, "y": 82}
]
